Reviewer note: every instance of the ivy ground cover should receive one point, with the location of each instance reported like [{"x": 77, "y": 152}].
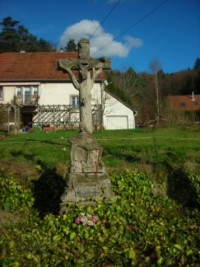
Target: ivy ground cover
[{"x": 138, "y": 228}]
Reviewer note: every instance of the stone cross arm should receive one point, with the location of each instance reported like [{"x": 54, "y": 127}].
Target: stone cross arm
[
  {"x": 105, "y": 62},
  {"x": 97, "y": 65},
  {"x": 76, "y": 64},
  {"x": 68, "y": 65}
]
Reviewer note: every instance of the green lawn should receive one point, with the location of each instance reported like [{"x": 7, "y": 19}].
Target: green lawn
[
  {"x": 152, "y": 221},
  {"x": 122, "y": 148}
]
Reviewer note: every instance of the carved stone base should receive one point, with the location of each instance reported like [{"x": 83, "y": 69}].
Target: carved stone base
[
  {"x": 87, "y": 181},
  {"x": 87, "y": 187}
]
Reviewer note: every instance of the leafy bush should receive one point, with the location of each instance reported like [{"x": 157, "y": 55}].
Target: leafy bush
[
  {"x": 136, "y": 229},
  {"x": 13, "y": 196},
  {"x": 194, "y": 180}
]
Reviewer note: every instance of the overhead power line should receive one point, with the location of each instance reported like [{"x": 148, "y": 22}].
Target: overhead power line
[
  {"x": 104, "y": 19},
  {"x": 135, "y": 23},
  {"x": 142, "y": 18}
]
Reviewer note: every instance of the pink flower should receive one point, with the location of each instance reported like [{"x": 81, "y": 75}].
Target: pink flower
[
  {"x": 94, "y": 219},
  {"x": 86, "y": 219},
  {"x": 77, "y": 220}
]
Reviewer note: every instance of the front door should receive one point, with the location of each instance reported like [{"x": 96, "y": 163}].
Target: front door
[{"x": 27, "y": 119}]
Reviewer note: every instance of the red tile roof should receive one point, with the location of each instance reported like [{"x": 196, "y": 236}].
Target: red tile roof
[
  {"x": 184, "y": 102},
  {"x": 35, "y": 66}
]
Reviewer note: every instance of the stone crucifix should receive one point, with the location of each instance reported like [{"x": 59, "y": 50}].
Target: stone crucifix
[{"x": 88, "y": 71}]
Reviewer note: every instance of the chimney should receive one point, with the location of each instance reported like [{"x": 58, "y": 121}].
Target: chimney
[{"x": 193, "y": 98}]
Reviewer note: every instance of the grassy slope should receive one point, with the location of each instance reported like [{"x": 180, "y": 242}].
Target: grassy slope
[
  {"x": 160, "y": 232},
  {"x": 129, "y": 148}
]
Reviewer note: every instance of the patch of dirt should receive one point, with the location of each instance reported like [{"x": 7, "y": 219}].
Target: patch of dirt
[
  {"x": 20, "y": 170},
  {"x": 193, "y": 167},
  {"x": 8, "y": 217}
]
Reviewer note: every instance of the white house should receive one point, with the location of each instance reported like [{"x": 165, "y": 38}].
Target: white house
[{"x": 34, "y": 92}]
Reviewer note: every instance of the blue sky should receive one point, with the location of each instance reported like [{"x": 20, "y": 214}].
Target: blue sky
[{"x": 133, "y": 32}]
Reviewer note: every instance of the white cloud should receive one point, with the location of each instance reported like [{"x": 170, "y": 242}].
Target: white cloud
[{"x": 101, "y": 43}]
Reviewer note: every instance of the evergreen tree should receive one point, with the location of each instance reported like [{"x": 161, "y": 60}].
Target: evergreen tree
[
  {"x": 197, "y": 65},
  {"x": 71, "y": 46},
  {"x": 15, "y": 37}
]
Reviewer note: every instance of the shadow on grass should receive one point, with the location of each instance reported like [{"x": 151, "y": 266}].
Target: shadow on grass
[
  {"x": 181, "y": 190},
  {"x": 128, "y": 157},
  {"x": 48, "y": 188},
  {"x": 47, "y": 191}
]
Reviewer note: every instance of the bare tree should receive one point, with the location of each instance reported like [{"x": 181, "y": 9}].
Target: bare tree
[{"x": 155, "y": 67}]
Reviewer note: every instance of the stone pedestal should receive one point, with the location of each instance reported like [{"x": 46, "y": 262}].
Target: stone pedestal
[{"x": 87, "y": 180}]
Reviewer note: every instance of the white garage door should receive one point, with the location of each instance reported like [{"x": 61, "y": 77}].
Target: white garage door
[{"x": 117, "y": 122}]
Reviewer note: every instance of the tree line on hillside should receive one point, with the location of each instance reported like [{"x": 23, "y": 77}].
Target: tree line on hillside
[
  {"x": 144, "y": 92},
  {"x": 147, "y": 92},
  {"x": 14, "y": 37}
]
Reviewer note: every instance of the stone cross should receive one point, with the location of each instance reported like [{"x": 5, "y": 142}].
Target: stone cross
[{"x": 88, "y": 71}]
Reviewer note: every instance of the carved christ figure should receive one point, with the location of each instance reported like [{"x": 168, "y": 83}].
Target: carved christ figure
[{"x": 88, "y": 70}]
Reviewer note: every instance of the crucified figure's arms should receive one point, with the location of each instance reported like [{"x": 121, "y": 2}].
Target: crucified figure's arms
[{"x": 63, "y": 64}]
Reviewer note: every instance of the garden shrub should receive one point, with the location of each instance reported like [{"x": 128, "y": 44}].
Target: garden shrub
[
  {"x": 136, "y": 229},
  {"x": 13, "y": 196}
]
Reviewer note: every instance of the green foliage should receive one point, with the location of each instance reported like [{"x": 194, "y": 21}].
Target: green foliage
[
  {"x": 13, "y": 196},
  {"x": 71, "y": 46},
  {"x": 141, "y": 91},
  {"x": 197, "y": 64},
  {"x": 194, "y": 180},
  {"x": 128, "y": 86},
  {"x": 136, "y": 229},
  {"x": 14, "y": 38}
]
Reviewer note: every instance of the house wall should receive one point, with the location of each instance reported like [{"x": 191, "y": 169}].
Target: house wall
[
  {"x": 8, "y": 94},
  {"x": 56, "y": 94},
  {"x": 115, "y": 114},
  {"x": 60, "y": 94}
]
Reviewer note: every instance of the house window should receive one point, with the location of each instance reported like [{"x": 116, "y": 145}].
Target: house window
[
  {"x": 75, "y": 101},
  {"x": 26, "y": 92},
  {"x": 1, "y": 92},
  {"x": 182, "y": 104},
  {"x": 19, "y": 91},
  {"x": 35, "y": 91}
]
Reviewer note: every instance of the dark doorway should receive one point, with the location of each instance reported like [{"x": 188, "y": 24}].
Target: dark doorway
[{"x": 27, "y": 120}]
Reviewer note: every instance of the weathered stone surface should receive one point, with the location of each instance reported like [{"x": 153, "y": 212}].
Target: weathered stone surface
[
  {"x": 89, "y": 69},
  {"x": 87, "y": 187},
  {"x": 86, "y": 155},
  {"x": 87, "y": 180}
]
